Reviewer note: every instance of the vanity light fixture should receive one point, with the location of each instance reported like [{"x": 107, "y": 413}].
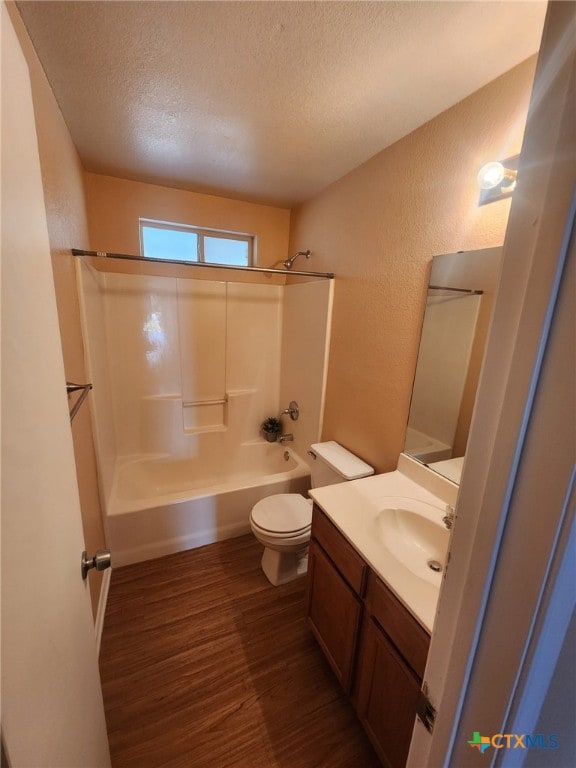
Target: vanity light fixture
[{"x": 497, "y": 180}]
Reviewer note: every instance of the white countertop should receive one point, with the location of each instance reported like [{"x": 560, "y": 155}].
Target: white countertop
[
  {"x": 353, "y": 506},
  {"x": 450, "y": 468}
]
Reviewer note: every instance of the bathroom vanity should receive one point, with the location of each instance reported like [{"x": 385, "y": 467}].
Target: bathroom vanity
[{"x": 371, "y": 604}]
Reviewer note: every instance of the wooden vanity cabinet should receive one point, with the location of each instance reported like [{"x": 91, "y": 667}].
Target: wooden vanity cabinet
[
  {"x": 334, "y": 615},
  {"x": 391, "y": 660},
  {"x": 335, "y": 586},
  {"x": 375, "y": 646}
]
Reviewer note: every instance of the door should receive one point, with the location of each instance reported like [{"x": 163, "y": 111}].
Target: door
[
  {"x": 52, "y": 711},
  {"x": 520, "y": 455}
]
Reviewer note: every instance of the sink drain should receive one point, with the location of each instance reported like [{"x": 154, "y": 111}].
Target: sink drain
[{"x": 435, "y": 566}]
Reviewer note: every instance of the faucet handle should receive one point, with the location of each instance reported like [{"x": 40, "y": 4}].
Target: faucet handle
[{"x": 293, "y": 410}]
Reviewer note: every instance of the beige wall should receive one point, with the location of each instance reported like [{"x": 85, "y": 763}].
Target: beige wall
[
  {"x": 67, "y": 227},
  {"x": 377, "y": 228},
  {"x": 115, "y": 206}
]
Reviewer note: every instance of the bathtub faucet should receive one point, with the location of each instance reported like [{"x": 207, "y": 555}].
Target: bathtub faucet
[
  {"x": 293, "y": 410},
  {"x": 286, "y": 438}
]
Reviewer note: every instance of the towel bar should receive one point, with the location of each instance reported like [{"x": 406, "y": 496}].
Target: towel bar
[{"x": 84, "y": 388}]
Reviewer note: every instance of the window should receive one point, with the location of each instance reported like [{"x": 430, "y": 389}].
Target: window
[{"x": 177, "y": 242}]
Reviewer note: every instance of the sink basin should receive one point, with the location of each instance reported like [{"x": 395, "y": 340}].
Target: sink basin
[{"x": 413, "y": 533}]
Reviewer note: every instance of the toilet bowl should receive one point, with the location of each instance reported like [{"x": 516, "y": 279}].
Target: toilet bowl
[{"x": 282, "y": 523}]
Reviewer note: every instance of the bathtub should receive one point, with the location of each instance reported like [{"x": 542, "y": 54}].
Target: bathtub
[
  {"x": 160, "y": 504},
  {"x": 425, "y": 448}
]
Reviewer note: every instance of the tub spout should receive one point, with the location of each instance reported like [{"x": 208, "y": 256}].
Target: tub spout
[{"x": 286, "y": 438}]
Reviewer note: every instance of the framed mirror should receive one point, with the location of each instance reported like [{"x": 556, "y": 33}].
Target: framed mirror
[{"x": 457, "y": 316}]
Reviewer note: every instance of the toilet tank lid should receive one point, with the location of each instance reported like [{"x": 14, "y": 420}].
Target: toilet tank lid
[{"x": 342, "y": 461}]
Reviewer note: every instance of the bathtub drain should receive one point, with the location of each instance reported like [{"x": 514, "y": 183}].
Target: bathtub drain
[
  {"x": 434, "y": 565},
  {"x": 286, "y": 455}
]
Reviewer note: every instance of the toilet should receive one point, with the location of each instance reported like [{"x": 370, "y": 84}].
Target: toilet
[{"x": 282, "y": 522}]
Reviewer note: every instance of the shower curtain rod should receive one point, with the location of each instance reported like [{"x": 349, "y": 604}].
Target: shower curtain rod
[
  {"x": 470, "y": 291},
  {"x": 127, "y": 257}
]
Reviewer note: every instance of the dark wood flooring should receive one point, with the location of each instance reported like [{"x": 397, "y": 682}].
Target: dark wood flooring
[{"x": 205, "y": 665}]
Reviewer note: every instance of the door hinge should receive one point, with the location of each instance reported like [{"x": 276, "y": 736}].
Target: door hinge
[{"x": 425, "y": 710}]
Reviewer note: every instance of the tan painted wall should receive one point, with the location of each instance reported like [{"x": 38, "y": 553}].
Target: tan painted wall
[
  {"x": 115, "y": 205},
  {"x": 377, "y": 228},
  {"x": 65, "y": 211}
]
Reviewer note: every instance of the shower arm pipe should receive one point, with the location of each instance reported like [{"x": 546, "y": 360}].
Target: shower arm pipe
[
  {"x": 290, "y": 261},
  {"x": 268, "y": 270}
]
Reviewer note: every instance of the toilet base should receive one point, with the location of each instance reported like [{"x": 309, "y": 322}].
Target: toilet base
[{"x": 282, "y": 567}]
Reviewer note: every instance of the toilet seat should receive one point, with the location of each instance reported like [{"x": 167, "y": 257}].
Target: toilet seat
[{"x": 284, "y": 515}]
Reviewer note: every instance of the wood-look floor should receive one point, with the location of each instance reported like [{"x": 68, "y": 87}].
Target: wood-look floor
[{"x": 205, "y": 665}]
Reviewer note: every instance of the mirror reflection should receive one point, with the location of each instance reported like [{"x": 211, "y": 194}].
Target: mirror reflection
[{"x": 458, "y": 310}]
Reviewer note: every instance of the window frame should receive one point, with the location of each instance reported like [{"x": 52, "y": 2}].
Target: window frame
[{"x": 201, "y": 233}]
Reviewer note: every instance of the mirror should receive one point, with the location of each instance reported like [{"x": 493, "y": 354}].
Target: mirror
[{"x": 457, "y": 317}]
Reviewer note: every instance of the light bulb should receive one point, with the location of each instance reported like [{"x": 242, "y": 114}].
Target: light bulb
[{"x": 491, "y": 175}]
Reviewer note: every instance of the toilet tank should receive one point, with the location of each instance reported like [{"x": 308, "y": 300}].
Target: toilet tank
[{"x": 331, "y": 463}]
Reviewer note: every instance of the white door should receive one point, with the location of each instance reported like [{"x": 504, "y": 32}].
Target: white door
[{"x": 52, "y": 711}]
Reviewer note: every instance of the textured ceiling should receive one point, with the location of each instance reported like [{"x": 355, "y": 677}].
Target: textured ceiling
[{"x": 265, "y": 101}]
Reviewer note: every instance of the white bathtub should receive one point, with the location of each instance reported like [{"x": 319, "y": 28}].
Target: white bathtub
[
  {"x": 161, "y": 505},
  {"x": 425, "y": 448}
]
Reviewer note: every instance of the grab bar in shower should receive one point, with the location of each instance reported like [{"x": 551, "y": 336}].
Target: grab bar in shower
[{"x": 70, "y": 389}]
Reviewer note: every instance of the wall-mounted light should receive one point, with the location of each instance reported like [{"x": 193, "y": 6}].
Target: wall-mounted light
[{"x": 497, "y": 180}]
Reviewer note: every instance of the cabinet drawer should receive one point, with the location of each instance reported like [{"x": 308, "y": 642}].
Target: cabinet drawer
[
  {"x": 344, "y": 556},
  {"x": 408, "y": 636}
]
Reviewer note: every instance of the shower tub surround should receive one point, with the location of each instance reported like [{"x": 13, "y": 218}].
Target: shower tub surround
[
  {"x": 164, "y": 505},
  {"x": 184, "y": 371}
]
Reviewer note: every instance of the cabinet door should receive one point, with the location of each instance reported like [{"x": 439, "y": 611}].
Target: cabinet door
[
  {"x": 386, "y": 696},
  {"x": 334, "y": 614}
]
